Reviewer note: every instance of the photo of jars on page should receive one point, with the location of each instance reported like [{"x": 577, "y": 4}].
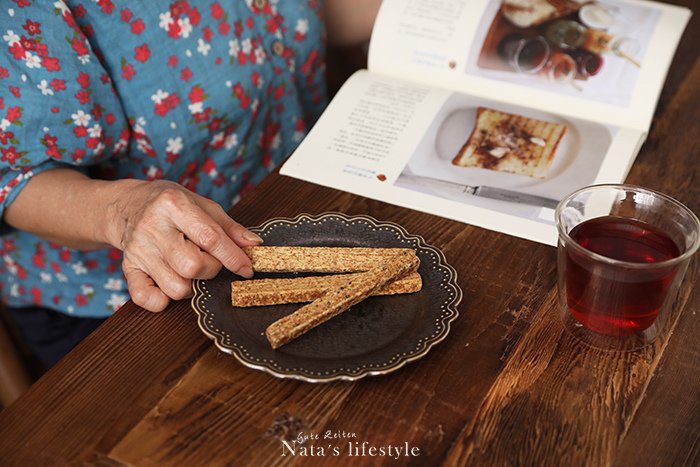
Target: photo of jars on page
[{"x": 578, "y": 47}]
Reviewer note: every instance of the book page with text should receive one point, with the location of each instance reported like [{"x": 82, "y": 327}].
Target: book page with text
[
  {"x": 604, "y": 60},
  {"x": 461, "y": 156}
]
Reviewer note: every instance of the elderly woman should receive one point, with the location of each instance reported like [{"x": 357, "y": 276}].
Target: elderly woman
[{"x": 126, "y": 129}]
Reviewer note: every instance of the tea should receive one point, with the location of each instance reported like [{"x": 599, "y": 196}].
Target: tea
[{"x": 617, "y": 299}]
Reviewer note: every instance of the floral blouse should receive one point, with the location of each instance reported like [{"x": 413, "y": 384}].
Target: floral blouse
[{"x": 210, "y": 94}]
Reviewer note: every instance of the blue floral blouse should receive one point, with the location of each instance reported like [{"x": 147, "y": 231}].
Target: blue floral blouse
[{"x": 210, "y": 94}]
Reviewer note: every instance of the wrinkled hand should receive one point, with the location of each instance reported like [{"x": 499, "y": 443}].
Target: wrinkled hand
[{"x": 170, "y": 236}]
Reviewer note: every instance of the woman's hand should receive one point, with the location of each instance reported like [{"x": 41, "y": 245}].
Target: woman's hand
[{"x": 170, "y": 236}]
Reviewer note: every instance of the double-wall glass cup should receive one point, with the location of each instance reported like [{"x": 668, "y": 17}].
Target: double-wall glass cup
[{"x": 622, "y": 253}]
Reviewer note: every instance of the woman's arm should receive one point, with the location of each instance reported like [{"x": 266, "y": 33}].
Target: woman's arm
[
  {"x": 350, "y": 22},
  {"x": 168, "y": 234}
]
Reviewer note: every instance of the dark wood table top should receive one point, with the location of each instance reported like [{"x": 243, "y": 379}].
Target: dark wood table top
[{"x": 507, "y": 387}]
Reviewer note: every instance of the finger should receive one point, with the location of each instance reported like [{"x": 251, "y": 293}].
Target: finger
[
  {"x": 170, "y": 282},
  {"x": 189, "y": 261},
  {"x": 238, "y": 233},
  {"x": 144, "y": 292},
  {"x": 208, "y": 235}
]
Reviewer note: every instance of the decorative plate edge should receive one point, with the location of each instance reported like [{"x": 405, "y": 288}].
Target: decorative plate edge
[{"x": 427, "y": 345}]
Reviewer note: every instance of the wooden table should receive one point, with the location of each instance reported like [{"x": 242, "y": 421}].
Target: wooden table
[{"x": 507, "y": 387}]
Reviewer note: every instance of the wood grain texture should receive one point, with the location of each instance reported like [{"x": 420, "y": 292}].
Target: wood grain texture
[{"x": 507, "y": 387}]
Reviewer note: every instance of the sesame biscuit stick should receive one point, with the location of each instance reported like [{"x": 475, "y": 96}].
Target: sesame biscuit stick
[
  {"x": 263, "y": 292},
  {"x": 339, "y": 299},
  {"x": 318, "y": 259}
]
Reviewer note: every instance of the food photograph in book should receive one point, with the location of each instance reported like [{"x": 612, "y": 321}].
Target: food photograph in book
[
  {"x": 505, "y": 158},
  {"x": 592, "y": 50}
]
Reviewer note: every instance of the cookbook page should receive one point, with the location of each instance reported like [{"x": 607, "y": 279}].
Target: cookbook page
[
  {"x": 600, "y": 60},
  {"x": 461, "y": 156}
]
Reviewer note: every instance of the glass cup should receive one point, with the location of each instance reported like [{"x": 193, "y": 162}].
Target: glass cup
[
  {"x": 525, "y": 54},
  {"x": 622, "y": 254}
]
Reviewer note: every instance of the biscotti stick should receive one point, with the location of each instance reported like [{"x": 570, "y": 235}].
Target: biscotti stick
[
  {"x": 339, "y": 299},
  {"x": 318, "y": 259},
  {"x": 262, "y": 292}
]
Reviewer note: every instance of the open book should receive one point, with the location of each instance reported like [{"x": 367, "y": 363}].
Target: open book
[{"x": 491, "y": 111}]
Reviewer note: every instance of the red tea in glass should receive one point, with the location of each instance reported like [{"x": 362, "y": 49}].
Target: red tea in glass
[{"x": 618, "y": 299}]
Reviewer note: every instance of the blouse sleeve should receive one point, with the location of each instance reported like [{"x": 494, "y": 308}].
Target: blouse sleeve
[{"x": 58, "y": 107}]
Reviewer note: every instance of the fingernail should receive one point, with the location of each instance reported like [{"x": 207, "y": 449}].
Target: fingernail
[
  {"x": 251, "y": 237},
  {"x": 246, "y": 271}
]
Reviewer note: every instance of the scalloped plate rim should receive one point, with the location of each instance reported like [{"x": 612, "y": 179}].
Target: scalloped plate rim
[{"x": 445, "y": 321}]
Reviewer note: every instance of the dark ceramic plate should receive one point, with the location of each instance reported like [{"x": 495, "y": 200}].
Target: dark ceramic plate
[{"x": 376, "y": 336}]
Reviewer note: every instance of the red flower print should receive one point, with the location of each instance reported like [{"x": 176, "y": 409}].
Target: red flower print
[
  {"x": 249, "y": 22},
  {"x": 2, "y": 103},
  {"x": 78, "y": 155},
  {"x": 82, "y": 96},
  {"x": 174, "y": 30},
  {"x": 91, "y": 264},
  {"x": 195, "y": 17},
  {"x": 51, "y": 64},
  {"x": 196, "y": 94},
  {"x": 126, "y": 15},
  {"x": 65, "y": 257},
  {"x": 79, "y": 46},
  {"x": 36, "y": 295},
  {"x": 10, "y": 154},
  {"x": 142, "y": 53},
  {"x": 186, "y": 74},
  {"x": 238, "y": 29},
  {"x": 238, "y": 90},
  {"x": 54, "y": 110},
  {"x": 22, "y": 3},
  {"x": 114, "y": 254},
  {"x": 216, "y": 11},
  {"x": 17, "y": 51},
  {"x": 279, "y": 92},
  {"x": 255, "y": 78},
  {"x": 207, "y": 34},
  {"x": 137, "y": 26},
  {"x": 106, "y": 5},
  {"x": 81, "y": 300},
  {"x": 273, "y": 24},
  {"x": 80, "y": 131},
  {"x": 209, "y": 167},
  {"x": 110, "y": 119},
  {"x": 160, "y": 109},
  {"x": 58, "y": 84},
  {"x": 83, "y": 80},
  {"x": 4, "y": 73},
  {"x": 179, "y": 8},
  {"x": 5, "y": 136},
  {"x": 224, "y": 28},
  {"x": 96, "y": 111},
  {"x": 79, "y": 11},
  {"x": 89, "y": 31},
  {"x": 50, "y": 140},
  {"x": 104, "y": 78},
  {"x": 53, "y": 152},
  {"x": 14, "y": 114},
  {"x": 42, "y": 49},
  {"x": 172, "y": 61},
  {"x": 31, "y": 27},
  {"x": 128, "y": 72},
  {"x": 15, "y": 91}
]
